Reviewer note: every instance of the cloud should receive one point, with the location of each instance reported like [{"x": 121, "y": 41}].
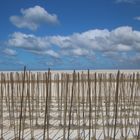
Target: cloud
[
  {"x": 117, "y": 56},
  {"x": 33, "y": 17},
  {"x": 127, "y": 1},
  {"x": 136, "y": 58},
  {"x": 137, "y": 18},
  {"x": 51, "y": 53},
  {"x": 9, "y": 52},
  {"x": 28, "y": 41},
  {"x": 120, "y": 41},
  {"x": 34, "y": 44}
]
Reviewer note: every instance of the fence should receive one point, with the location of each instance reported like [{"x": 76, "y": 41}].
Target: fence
[{"x": 63, "y": 106}]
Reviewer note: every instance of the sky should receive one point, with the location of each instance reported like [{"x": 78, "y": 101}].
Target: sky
[{"x": 69, "y": 34}]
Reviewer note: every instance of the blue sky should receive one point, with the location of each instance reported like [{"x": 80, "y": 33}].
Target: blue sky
[{"x": 70, "y": 34}]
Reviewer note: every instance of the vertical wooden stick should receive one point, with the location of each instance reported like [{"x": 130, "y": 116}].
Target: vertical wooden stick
[
  {"x": 116, "y": 103},
  {"x": 22, "y": 96}
]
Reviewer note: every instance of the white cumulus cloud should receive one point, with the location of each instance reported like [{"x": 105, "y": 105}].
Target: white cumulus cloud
[
  {"x": 9, "y": 52},
  {"x": 28, "y": 41},
  {"x": 127, "y": 1},
  {"x": 46, "y": 52},
  {"x": 137, "y": 18},
  {"x": 121, "y": 40},
  {"x": 33, "y": 17}
]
